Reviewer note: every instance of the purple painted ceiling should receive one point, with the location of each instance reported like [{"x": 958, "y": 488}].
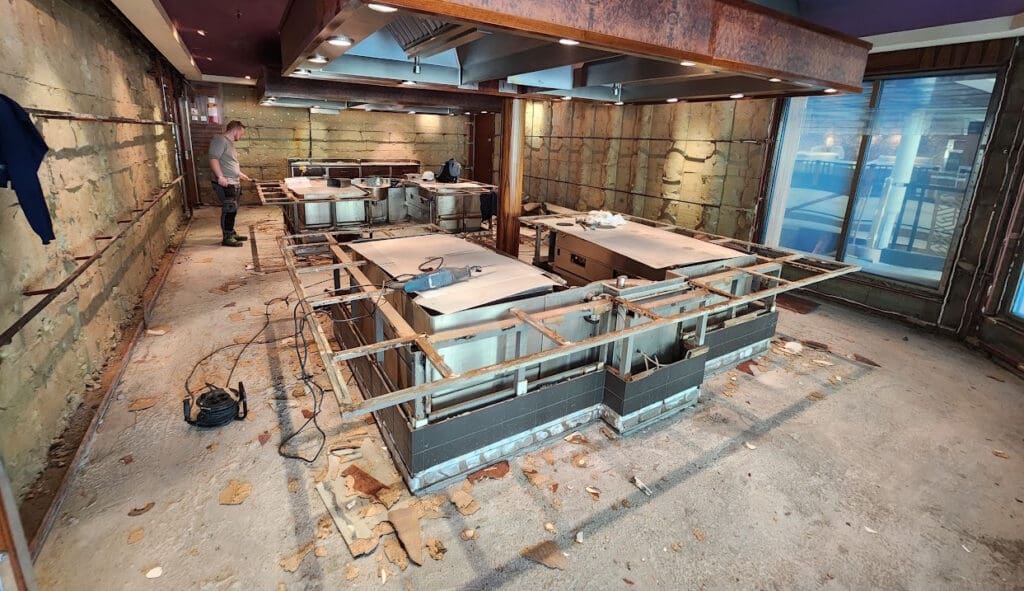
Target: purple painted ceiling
[
  {"x": 241, "y": 35},
  {"x": 861, "y": 18}
]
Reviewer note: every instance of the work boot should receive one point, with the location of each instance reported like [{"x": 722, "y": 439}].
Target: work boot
[
  {"x": 240, "y": 237},
  {"x": 230, "y": 241}
]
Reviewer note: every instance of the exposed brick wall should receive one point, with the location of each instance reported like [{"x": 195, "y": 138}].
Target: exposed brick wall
[
  {"x": 275, "y": 134},
  {"x": 696, "y": 165},
  {"x": 73, "y": 55}
]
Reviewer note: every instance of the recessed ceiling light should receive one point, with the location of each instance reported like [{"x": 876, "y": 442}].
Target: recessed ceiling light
[
  {"x": 382, "y": 7},
  {"x": 483, "y": 112},
  {"x": 566, "y": 98},
  {"x": 619, "y": 103},
  {"x": 568, "y": 42},
  {"x": 467, "y": 113},
  {"x": 210, "y": 59},
  {"x": 408, "y": 83},
  {"x": 672, "y": 100},
  {"x": 317, "y": 59},
  {"x": 830, "y": 91},
  {"x": 340, "y": 41},
  {"x": 775, "y": 80},
  {"x": 738, "y": 95},
  {"x": 412, "y": 112},
  {"x": 248, "y": 77},
  {"x": 201, "y": 32},
  {"x": 687, "y": 63}
]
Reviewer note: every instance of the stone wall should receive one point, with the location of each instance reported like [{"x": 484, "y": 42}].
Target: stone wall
[
  {"x": 275, "y": 134},
  {"x": 75, "y": 56},
  {"x": 697, "y": 165}
]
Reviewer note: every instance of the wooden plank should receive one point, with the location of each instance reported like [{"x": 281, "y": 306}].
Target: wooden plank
[{"x": 540, "y": 327}]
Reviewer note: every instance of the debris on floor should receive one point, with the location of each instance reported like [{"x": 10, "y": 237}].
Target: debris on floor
[
  {"x": 469, "y": 534},
  {"x": 142, "y": 404},
  {"x": 1000, "y": 454},
  {"x": 235, "y": 492},
  {"x": 536, "y": 478},
  {"x": 351, "y": 571},
  {"x": 496, "y": 472},
  {"x": 141, "y": 510},
  {"x": 547, "y": 553},
  {"x": 640, "y": 484},
  {"x": 407, "y": 527},
  {"x": 135, "y": 535},
  {"x": 436, "y": 549},
  {"x": 464, "y": 502},
  {"x": 291, "y": 563}
]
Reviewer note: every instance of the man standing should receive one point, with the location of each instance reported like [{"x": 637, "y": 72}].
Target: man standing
[{"x": 226, "y": 176}]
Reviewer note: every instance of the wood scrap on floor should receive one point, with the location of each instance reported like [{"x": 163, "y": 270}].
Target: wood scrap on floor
[
  {"x": 140, "y": 510},
  {"x": 547, "y": 553}
]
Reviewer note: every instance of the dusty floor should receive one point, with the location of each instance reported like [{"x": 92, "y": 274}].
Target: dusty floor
[{"x": 818, "y": 471}]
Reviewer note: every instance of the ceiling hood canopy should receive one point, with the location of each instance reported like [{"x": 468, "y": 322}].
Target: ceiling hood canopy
[{"x": 641, "y": 51}]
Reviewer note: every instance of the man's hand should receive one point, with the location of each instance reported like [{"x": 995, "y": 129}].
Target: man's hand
[
  {"x": 243, "y": 176},
  {"x": 222, "y": 181}
]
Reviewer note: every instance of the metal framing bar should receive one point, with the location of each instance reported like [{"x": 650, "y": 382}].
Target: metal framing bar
[
  {"x": 51, "y": 294},
  {"x": 443, "y": 380}
]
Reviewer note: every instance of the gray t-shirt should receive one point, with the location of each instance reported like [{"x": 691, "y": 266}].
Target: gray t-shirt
[{"x": 222, "y": 149}]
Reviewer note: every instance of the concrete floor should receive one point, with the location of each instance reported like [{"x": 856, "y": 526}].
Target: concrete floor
[{"x": 885, "y": 478}]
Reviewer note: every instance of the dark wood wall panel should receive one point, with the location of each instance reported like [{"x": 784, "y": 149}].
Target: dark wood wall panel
[{"x": 962, "y": 56}]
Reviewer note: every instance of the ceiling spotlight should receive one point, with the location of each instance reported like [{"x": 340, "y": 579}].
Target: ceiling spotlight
[
  {"x": 248, "y": 77},
  {"x": 210, "y": 59},
  {"x": 317, "y": 59},
  {"x": 619, "y": 103},
  {"x": 830, "y": 91},
  {"x": 408, "y": 83},
  {"x": 687, "y": 63},
  {"x": 412, "y": 112},
  {"x": 775, "y": 80},
  {"x": 483, "y": 112},
  {"x": 672, "y": 100},
  {"x": 569, "y": 42},
  {"x": 340, "y": 41},
  {"x": 382, "y": 8},
  {"x": 467, "y": 113},
  {"x": 201, "y": 32},
  {"x": 738, "y": 95}
]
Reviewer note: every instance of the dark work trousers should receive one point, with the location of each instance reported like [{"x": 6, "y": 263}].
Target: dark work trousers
[{"x": 228, "y": 207}]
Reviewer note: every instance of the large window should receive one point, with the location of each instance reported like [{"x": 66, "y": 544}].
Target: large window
[{"x": 880, "y": 179}]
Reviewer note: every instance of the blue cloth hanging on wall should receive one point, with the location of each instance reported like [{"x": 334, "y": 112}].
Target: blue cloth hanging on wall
[{"x": 21, "y": 152}]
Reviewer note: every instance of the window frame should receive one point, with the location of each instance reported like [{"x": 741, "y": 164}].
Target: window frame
[{"x": 874, "y": 85}]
